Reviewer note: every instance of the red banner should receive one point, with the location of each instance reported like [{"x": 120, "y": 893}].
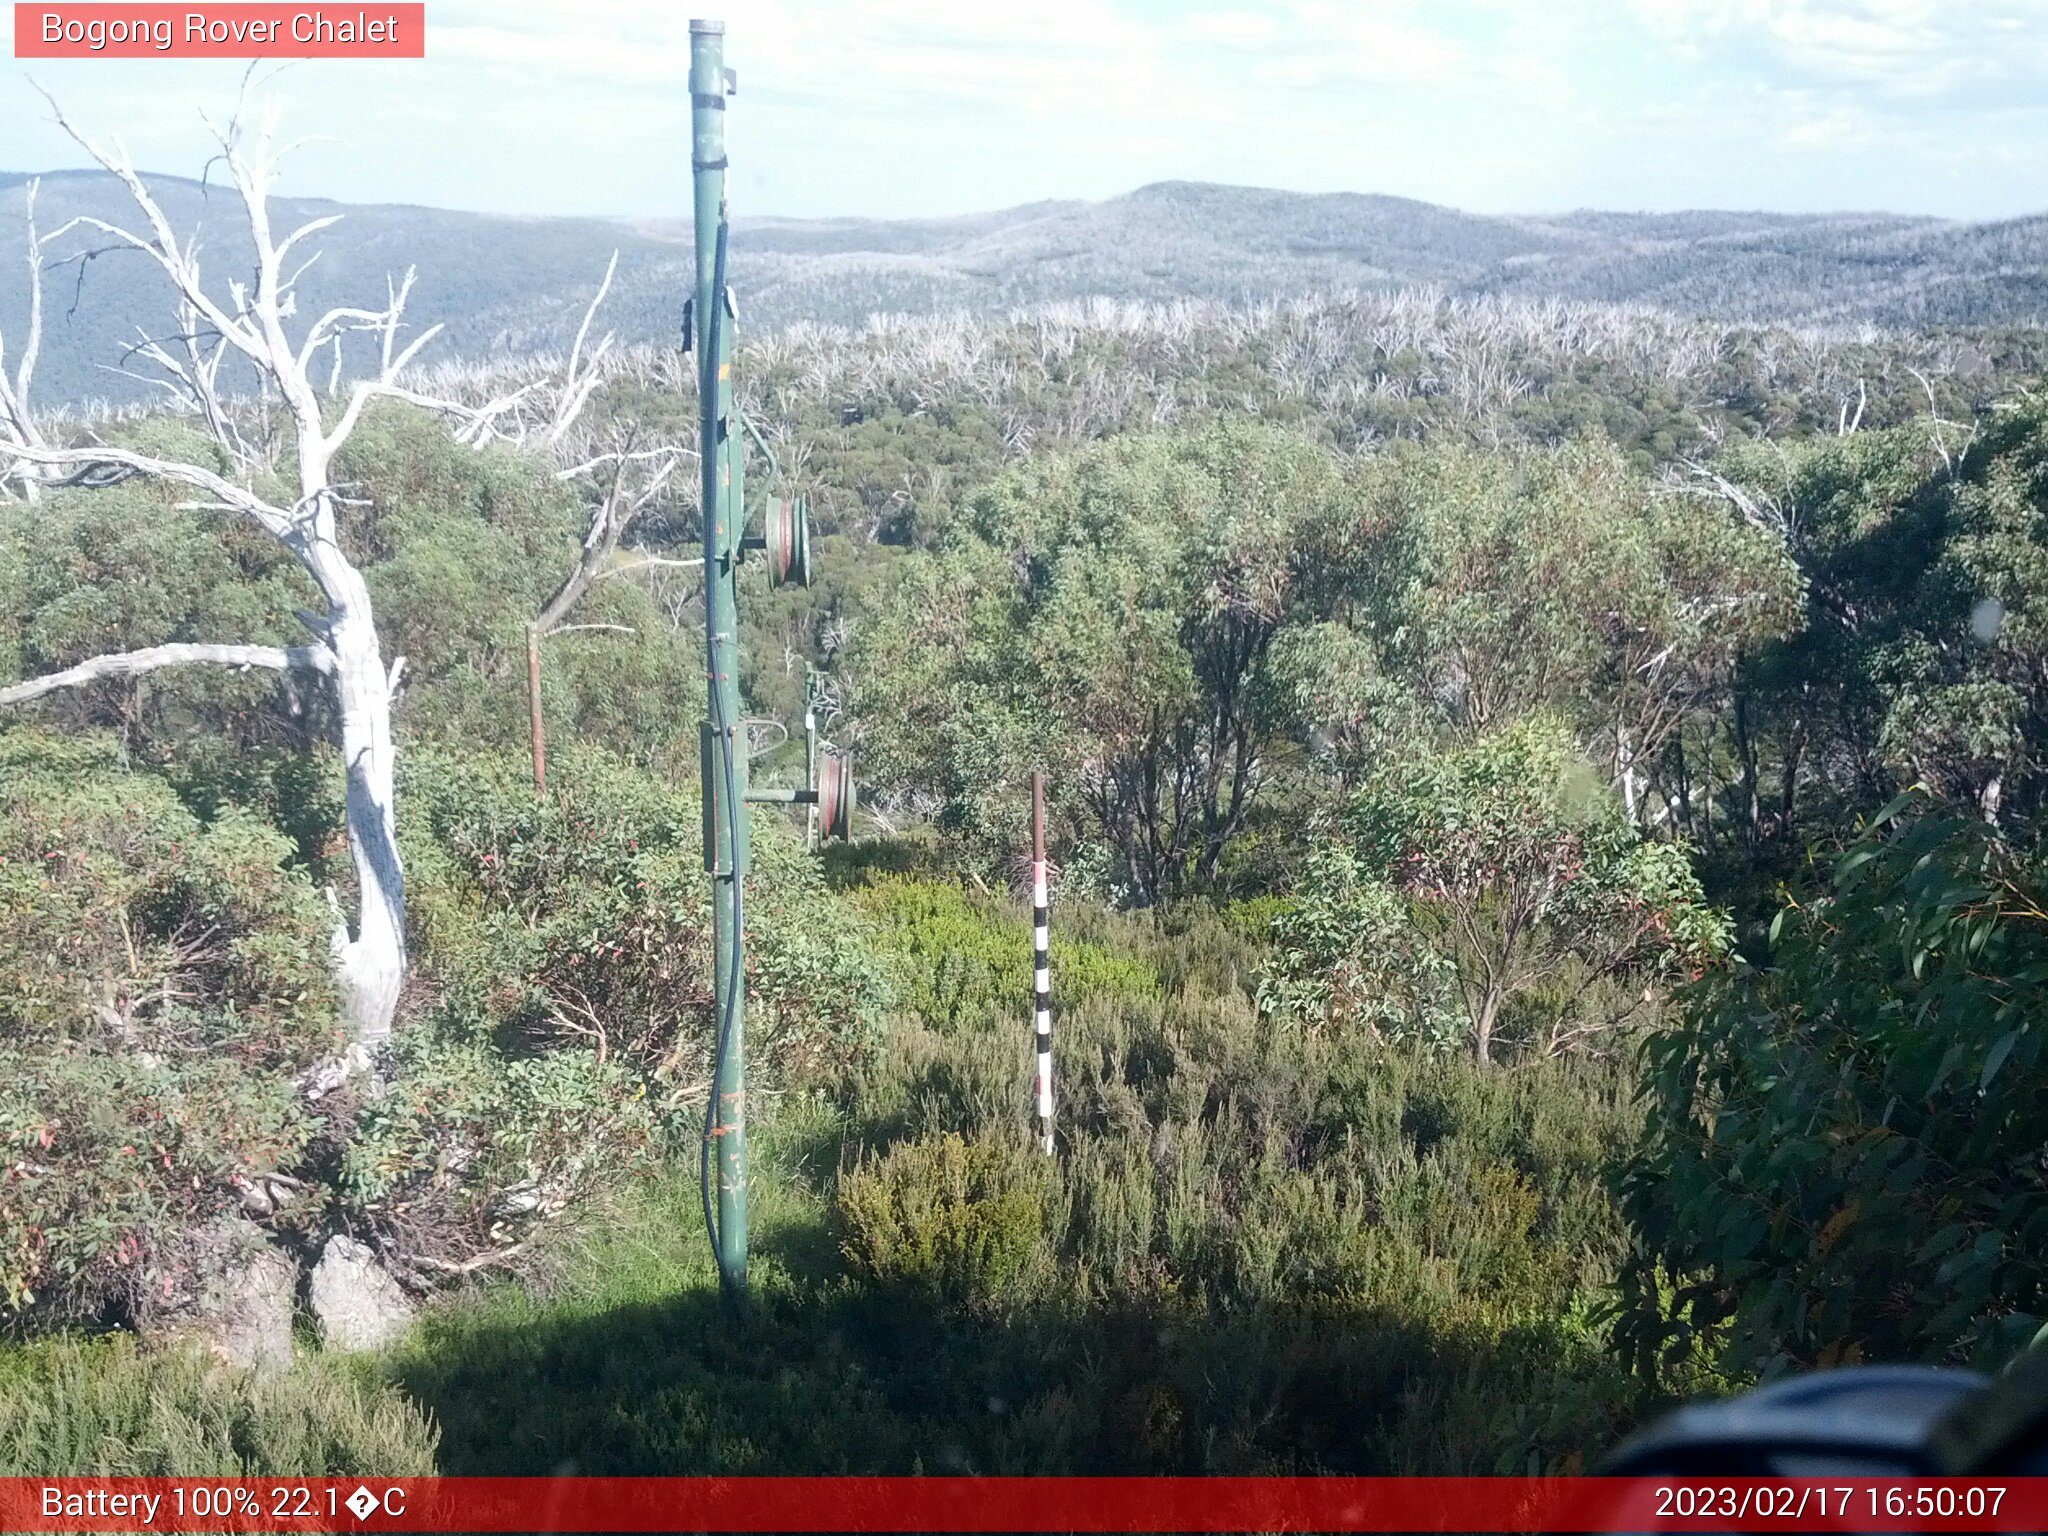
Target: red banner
[
  {"x": 925, "y": 1504},
  {"x": 259, "y": 30}
]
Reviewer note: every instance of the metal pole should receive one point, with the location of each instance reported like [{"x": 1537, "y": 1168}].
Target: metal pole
[
  {"x": 1041, "y": 944},
  {"x": 783, "y": 797},
  {"x": 724, "y": 755}
]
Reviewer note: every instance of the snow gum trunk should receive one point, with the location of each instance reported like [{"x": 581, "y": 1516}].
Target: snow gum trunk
[{"x": 372, "y": 960}]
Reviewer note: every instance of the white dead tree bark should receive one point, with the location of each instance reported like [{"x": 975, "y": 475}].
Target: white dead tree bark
[
  {"x": 153, "y": 658},
  {"x": 17, "y": 424},
  {"x": 249, "y": 324}
]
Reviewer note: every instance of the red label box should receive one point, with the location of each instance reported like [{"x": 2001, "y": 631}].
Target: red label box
[
  {"x": 269, "y": 1507},
  {"x": 377, "y": 29}
]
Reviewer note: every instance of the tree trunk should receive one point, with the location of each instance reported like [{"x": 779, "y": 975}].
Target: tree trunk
[
  {"x": 1482, "y": 1028},
  {"x": 1745, "y": 751},
  {"x": 1788, "y": 791},
  {"x": 372, "y": 961},
  {"x": 1707, "y": 788},
  {"x": 1682, "y": 807}
]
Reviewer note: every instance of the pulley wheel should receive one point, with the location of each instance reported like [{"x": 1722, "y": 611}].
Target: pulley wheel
[
  {"x": 835, "y": 795},
  {"x": 787, "y": 536}
]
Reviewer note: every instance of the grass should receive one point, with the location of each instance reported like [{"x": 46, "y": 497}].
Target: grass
[{"x": 101, "y": 1407}]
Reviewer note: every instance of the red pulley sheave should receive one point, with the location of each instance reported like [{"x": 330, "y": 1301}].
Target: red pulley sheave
[
  {"x": 835, "y": 795},
  {"x": 787, "y": 536}
]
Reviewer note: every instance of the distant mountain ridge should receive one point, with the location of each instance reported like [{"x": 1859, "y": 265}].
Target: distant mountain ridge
[{"x": 505, "y": 285}]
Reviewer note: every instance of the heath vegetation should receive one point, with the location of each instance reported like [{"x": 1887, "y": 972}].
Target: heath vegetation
[{"x": 1546, "y": 801}]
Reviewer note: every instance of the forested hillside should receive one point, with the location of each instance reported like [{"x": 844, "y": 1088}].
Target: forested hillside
[
  {"x": 1490, "y": 742},
  {"x": 1194, "y": 240},
  {"x": 507, "y": 287}
]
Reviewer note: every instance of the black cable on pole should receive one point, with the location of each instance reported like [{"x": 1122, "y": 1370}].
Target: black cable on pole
[{"x": 707, "y": 386}]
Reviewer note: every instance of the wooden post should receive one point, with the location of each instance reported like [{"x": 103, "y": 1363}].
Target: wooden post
[{"x": 1042, "y": 959}]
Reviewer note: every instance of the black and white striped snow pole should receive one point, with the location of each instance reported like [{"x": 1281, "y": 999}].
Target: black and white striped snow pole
[{"x": 1041, "y": 971}]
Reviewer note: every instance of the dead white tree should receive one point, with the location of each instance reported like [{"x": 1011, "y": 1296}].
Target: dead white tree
[
  {"x": 1846, "y": 424},
  {"x": 627, "y": 480},
  {"x": 248, "y": 323},
  {"x": 620, "y": 478},
  {"x": 17, "y": 424},
  {"x": 1938, "y": 426}
]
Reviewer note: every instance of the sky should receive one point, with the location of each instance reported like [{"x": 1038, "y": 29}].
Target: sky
[{"x": 901, "y": 108}]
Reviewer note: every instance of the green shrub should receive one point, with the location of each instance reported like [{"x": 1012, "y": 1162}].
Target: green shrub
[
  {"x": 1208, "y": 1157},
  {"x": 1243, "y": 1163},
  {"x": 557, "y": 1041},
  {"x": 583, "y": 919},
  {"x": 127, "y": 923},
  {"x": 160, "y": 981},
  {"x": 1215, "y": 950},
  {"x": 110, "y": 1158},
  {"x": 1842, "y": 1156},
  {"x": 961, "y": 1222},
  {"x": 103, "y": 1408},
  {"x": 1347, "y": 953},
  {"x": 460, "y": 547},
  {"x": 1468, "y": 878},
  {"x": 1257, "y": 1251},
  {"x": 922, "y": 1084},
  {"x": 118, "y": 569},
  {"x": 965, "y": 959},
  {"x": 298, "y": 789},
  {"x": 467, "y": 1150}
]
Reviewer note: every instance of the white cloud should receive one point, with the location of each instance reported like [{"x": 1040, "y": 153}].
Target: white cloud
[
  {"x": 1233, "y": 29},
  {"x": 903, "y": 106},
  {"x": 1905, "y": 48}
]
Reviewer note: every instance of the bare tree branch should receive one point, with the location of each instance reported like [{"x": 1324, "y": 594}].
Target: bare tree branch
[
  {"x": 621, "y": 501},
  {"x": 576, "y": 388},
  {"x": 91, "y": 457},
  {"x": 310, "y": 658},
  {"x": 1935, "y": 421},
  {"x": 646, "y": 562}
]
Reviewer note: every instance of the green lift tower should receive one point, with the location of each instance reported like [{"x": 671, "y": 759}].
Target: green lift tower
[
  {"x": 724, "y": 747},
  {"x": 784, "y": 541}
]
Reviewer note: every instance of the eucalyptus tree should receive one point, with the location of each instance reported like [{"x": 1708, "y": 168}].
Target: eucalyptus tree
[
  {"x": 1454, "y": 882},
  {"x": 1110, "y": 616},
  {"x": 1501, "y": 585},
  {"x": 1919, "y": 655},
  {"x": 1841, "y": 1154}
]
